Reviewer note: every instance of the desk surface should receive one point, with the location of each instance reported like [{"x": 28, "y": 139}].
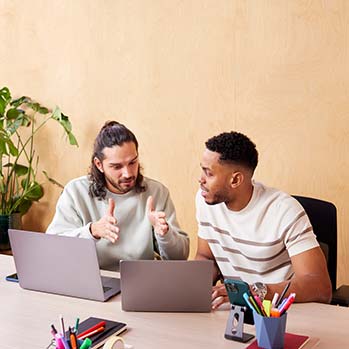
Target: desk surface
[{"x": 25, "y": 318}]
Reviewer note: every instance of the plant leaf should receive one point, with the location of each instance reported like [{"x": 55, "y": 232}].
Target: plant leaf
[
  {"x": 72, "y": 139},
  {"x": 5, "y": 97},
  {"x": 13, "y": 113},
  {"x": 20, "y": 170},
  {"x": 24, "y": 206},
  {"x": 25, "y": 119},
  {"x": 2, "y": 183},
  {"x": 66, "y": 124},
  {"x": 11, "y": 147},
  {"x": 17, "y": 102},
  {"x": 43, "y": 110},
  {"x": 56, "y": 115},
  {"x": 13, "y": 126},
  {"x": 3, "y": 149},
  {"x": 53, "y": 181},
  {"x": 35, "y": 192},
  {"x": 34, "y": 105},
  {"x": 24, "y": 182}
]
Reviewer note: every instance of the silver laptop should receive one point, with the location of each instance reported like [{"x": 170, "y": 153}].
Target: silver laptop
[
  {"x": 168, "y": 286},
  {"x": 60, "y": 264}
]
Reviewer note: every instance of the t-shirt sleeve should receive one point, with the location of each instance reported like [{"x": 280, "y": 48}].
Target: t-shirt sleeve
[{"x": 299, "y": 234}]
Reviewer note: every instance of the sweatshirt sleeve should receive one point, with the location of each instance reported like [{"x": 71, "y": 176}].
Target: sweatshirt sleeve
[
  {"x": 175, "y": 244},
  {"x": 67, "y": 221}
]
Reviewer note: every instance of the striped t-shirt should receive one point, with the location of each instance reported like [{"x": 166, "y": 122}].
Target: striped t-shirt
[{"x": 256, "y": 243}]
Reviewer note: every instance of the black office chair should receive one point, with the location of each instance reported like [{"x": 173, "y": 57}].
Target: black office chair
[{"x": 323, "y": 217}]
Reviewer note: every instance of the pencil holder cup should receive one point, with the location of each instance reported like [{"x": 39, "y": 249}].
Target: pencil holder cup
[
  {"x": 270, "y": 331},
  {"x": 60, "y": 345}
]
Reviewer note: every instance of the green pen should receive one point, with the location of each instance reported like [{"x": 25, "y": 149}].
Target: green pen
[
  {"x": 77, "y": 325},
  {"x": 86, "y": 344}
]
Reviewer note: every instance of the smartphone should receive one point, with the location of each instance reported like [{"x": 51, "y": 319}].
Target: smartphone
[
  {"x": 235, "y": 290},
  {"x": 12, "y": 277}
]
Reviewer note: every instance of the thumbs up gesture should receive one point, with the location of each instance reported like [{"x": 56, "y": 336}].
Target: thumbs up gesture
[
  {"x": 106, "y": 227},
  {"x": 156, "y": 218}
]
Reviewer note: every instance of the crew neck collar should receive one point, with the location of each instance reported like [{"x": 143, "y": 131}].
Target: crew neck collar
[{"x": 249, "y": 205}]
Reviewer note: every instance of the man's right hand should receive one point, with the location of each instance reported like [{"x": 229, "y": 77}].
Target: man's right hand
[
  {"x": 219, "y": 296},
  {"x": 106, "y": 227}
]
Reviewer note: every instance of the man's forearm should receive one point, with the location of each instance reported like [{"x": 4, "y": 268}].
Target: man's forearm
[
  {"x": 216, "y": 272},
  {"x": 308, "y": 288},
  {"x": 173, "y": 245}
]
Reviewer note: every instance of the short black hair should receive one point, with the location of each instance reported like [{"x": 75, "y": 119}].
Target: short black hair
[{"x": 235, "y": 148}]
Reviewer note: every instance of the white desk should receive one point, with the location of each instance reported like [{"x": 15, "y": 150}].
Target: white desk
[{"x": 25, "y": 318}]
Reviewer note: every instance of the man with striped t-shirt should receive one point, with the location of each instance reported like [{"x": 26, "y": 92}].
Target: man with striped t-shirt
[{"x": 253, "y": 232}]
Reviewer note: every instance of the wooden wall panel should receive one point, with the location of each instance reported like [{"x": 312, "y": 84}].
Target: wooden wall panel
[{"x": 178, "y": 72}]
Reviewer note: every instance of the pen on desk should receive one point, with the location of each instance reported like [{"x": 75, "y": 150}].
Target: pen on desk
[
  {"x": 283, "y": 294},
  {"x": 62, "y": 325},
  {"x": 92, "y": 333},
  {"x": 89, "y": 330}
]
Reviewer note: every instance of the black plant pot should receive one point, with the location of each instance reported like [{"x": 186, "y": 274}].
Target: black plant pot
[{"x": 12, "y": 221}]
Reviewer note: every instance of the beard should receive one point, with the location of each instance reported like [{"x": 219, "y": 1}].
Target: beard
[
  {"x": 214, "y": 198},
  {"x": 123, "y": 185}
]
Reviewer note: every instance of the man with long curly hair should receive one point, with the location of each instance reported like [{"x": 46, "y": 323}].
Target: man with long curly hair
[
  {"x": 253, "y": 232},
  {"x": 128, "y": 215}
]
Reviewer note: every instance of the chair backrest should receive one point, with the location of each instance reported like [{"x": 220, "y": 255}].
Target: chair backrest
[{"x": 323, "y": 218}]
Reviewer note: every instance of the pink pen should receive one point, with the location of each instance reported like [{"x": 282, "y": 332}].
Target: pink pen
[
  {"x": 59, "y": 341},
  {"x": 288, "y": 303},
  {"x": 260, "y": 304}
]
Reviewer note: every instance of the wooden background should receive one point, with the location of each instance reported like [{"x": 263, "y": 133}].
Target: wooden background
[{"x": 178, "y": 72}]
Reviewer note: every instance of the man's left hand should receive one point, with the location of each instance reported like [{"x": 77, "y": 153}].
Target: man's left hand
[{"x": 156, "y": 218}]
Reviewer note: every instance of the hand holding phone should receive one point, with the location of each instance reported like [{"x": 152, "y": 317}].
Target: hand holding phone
[{"x": 235, "y": 290}]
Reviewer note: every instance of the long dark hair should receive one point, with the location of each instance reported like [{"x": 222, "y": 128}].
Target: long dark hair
[{"x": 111, "y": 134}]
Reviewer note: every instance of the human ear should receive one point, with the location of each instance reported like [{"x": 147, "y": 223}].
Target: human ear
[
  {"x": 236, "y": 179},
  {"x": 98, "y": 164}
]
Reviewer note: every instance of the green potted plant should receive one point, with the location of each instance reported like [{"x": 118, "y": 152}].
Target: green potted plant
[{"x": 20, "y": 121}]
